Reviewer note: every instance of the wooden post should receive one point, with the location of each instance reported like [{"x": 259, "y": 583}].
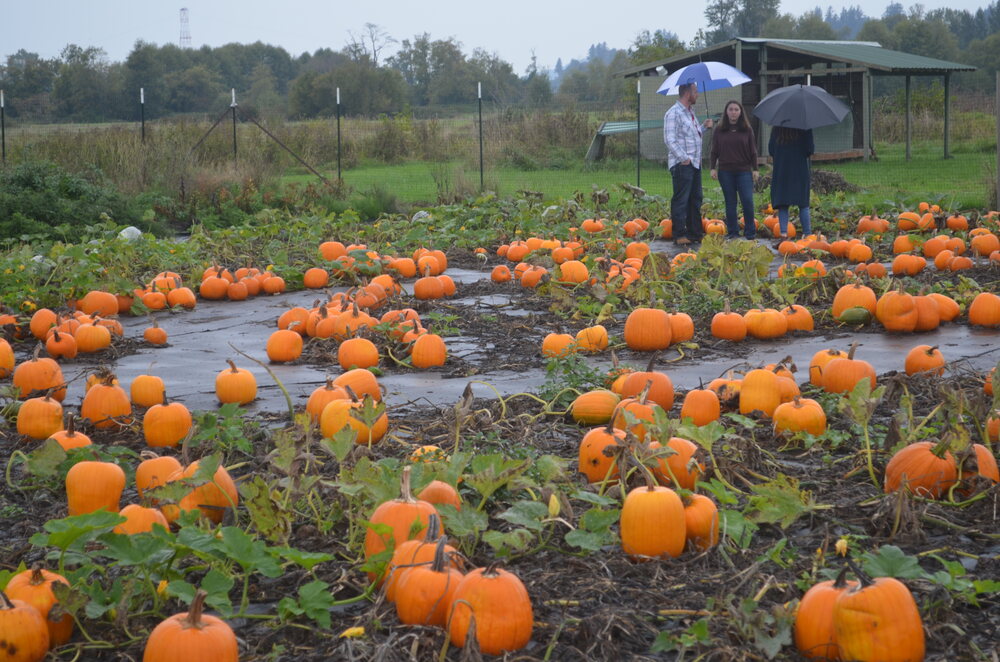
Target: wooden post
[
  {"x": 909, "y": 119},
  {"x": 866, "y": 102},
  {"x": 997, "y": 173},
  {"x": 761, "y": 141},
  {"x": 947, "y": 114}
]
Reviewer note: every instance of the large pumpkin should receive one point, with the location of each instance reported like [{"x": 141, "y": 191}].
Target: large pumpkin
[
  {"x": 500, "y": 605},
  {"x": 192, "y": 637}
]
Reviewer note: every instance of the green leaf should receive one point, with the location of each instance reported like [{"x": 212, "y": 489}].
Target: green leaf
[
  {"x": 252, "y": 555},
  {"x": 590, "y": 541},
  {"x": 506, "y": 544},
  {"x": 528, "y": 514},
  {"x": 463, "y": 523},
  {"x": 781, "y": 501},
  {"x": 488, "y": 473},
  {"x": 341, "y": 443},
  {"x": 598, "y": 519},
  {"x": 316, "y": 601},
  {"x": 270, "y": 518},
  {"x": 101, "y": 601},
  {"x": 45, "y": 460},
  {"x": 737, "y": 528},
  {"x": 890, "y": 561},
  {"x": 551, "y": 468},
  {"x": 307, "y": 560},
  {"x": 139, "y": 549},
  {"x": 77, "y": 530},
  {"x": 591, "y": 497}
]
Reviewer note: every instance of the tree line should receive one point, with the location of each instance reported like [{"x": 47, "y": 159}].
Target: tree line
[{"x": 425, "y": 73}]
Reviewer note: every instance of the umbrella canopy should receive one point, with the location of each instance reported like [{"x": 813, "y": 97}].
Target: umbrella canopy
[
  {"x": 708, "y": 76},
  {"x": 801, "y": 107}
]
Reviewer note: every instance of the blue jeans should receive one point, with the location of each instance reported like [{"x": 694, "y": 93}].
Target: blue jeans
[
  {"x": 803, "y": 216},
  {"x": 733, "y": 183},
  {"x": 685, "y": 204}
]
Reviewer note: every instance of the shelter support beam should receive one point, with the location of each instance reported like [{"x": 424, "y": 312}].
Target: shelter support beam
[
  {"x": 909, "y": 119},
  {"x": 947, "y": 115}
]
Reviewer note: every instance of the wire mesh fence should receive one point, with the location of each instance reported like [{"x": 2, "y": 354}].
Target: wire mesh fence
[{"x": 453, "y": 153}]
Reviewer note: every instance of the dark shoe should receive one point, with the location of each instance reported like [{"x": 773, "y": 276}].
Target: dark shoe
[
  {"x": 730, "y": 237},
  {"x": 751, "y": 238}
]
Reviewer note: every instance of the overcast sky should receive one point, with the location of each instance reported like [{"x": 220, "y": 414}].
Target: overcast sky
[{"x": 510, "y": 28}]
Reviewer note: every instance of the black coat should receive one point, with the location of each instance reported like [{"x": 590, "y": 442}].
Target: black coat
[{"x": 790, "y": 176}]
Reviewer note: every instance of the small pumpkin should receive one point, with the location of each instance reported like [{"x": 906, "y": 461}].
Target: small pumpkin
[
  {"x": 166, "y": 424},
  {"x": 25, "y": 634},
  {"x": 501, "y": 607},
  {"x": 70, "y": 438},
  {"x": 924, "y": 468},
  {"x": 400, "y": 515},
  {"x": 106, "y": 404},
  {"x": 924, "y": 359},
  {"x": 39, "y": 418},
  {"x": 92, "y": 486},
  {"x": 592, "y": 461},
  {"x": 815, "y": 637},
  {"x": 424, "y": 594},
  {"x": 701, "y": 522},
  {"x": 34, "y": 587},
  {"x": 146, "y": 390},
  {"x": 235, "y": 385},
  {"x": 192, "y": 636},
  {"x": 878, "y": 621},
  {"x": 652, "y": 522}
]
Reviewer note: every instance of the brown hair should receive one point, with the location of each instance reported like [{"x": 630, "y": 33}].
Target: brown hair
[
  {"x": 684, "y": 88},
  {"x": 742, "y": 124},
  {"x": 787, "y": 135}
]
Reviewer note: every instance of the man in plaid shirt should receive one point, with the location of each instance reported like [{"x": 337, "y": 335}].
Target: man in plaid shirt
[{"x": 682, "y": 136}]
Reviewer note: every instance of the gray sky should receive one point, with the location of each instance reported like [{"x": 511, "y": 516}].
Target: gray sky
[{"x": 510, "y": 28}]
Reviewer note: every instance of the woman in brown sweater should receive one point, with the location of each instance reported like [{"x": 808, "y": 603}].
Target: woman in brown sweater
[{"x": 734, "y": 164}]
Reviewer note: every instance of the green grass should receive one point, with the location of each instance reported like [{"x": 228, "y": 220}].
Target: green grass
[{"x": 961, "y": 182}]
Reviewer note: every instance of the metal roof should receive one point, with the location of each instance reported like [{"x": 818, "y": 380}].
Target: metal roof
[{"x": 863, "y": 53}]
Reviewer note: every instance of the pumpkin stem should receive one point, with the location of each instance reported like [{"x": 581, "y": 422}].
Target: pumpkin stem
[
  {"x": 405, "y": 494},
  {"x": 433, "y": 528},
  {"x": 492, "y": 569},
  {"x": 850, "y": 353},
  {"x": 5, "y": 602},
  {"x": 37, "y": 352},
  {"x": 439, "y": 555},
  {"x": 863, "y": 578},
  {"x": 652, "y": 361},
  {"x": 37, "y": 578},
  {"x": 352, "y": 394},
  {"x": 841, "y": 580},
  {"x": 232, "y": 365},
  {"x": 193, "y": 619}
]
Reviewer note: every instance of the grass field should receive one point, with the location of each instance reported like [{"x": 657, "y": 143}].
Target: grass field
[{"x": 961, "y": 182}]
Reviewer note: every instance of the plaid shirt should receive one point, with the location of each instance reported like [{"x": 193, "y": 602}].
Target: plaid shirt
[{"x": 682, "y": 136}]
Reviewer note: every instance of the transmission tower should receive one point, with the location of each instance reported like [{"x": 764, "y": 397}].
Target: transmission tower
[{"x": 185, "y": 31}]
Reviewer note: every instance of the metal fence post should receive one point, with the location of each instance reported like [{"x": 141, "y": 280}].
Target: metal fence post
[
  {"x": 142, "y": 114},
  {"x": 232, "y": 107},
  {"x": 3, "y": 130},
  {"x": 479, "y": 95},
  {"x": 638, "y": 133},
  {"x": 338, "y": 134}
]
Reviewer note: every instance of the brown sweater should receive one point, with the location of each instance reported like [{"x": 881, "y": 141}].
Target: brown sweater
[{"x": 733, "y": 150}]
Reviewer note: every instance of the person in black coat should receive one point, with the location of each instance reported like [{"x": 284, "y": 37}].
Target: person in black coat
[{"x": 790, "y": 150}]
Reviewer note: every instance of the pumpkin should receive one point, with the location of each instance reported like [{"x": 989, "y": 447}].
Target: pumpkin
[
  {"x": 146, "y": 390},
  {"x": 680, "y": 468},
  {"x": 652, "y": 522},
  {"x": 841, "y": 375},
  {"x": 183, "y": 297},
  {"x": 800, "y": 415},
  {"x": 166, "y": 424},
  {"x": 983, "y": 311},
  {"x": 878, "y": 621},
  {"x": 357, "y": 353},
  {"x": 701, "y": 522},
  {"x": 106, "y": 404},
  {"x": 92, "y": 338},
  {"x": 154, "y": 471},
  {"x": 701, "y": 406},
  {"x": 235, "y": 385},
  {"x": 338, "y": 414},
  {"x": 295, "y": 319},
  {"x": 139, "y": 519},
  {"x": 681, "y": 327},
  {"x": 926, "y": 469},
  {"x": 331, "y": 250},
  {"x": 592, "y": 339},
  {"x": 798, "y": 318},
  {"x": 594, "y": 407},
  {"x": 321, "y": 397},
  {"x": 424, "y": 594},
  {"x": 501, "y": 607},
  {"x": 647, "y": 329},
  {"x": 815, "y": 638},
  {"x": 428, "y": 351},
  {"x": 760, "y": 391},
  {"x": 61, "y": 345},
  {"x": 897, "y": 311},
  {"x": 34, "y": 587},
  {"x": 729, "y": 325},
  {"x": 767, "y": 323},
  {"x": 70, "y": 438},
  {"x": 440, "y": 493},
  {"x": 556, "y": 345},
  {"x": 98, "y": 302},
  {"x": 855, "y": 295},
  {"x": 39, "y": 418},
  {"x": 592, "y": 461},
  {"x": 411, "y": 553},
  {"x": 315, "y": 278},
  {"x": 819, "y": 361},
  {"x": 362, "y": 382},
  {"x": 25, "y": 633},
  {"x": 657, "y": 385},
  {"x": 38, "y": 375},
  {"x": 211, "y": 498},
  {"x": 401, "y": 515},
  {"x": 7, "y": 360},
  {"x": 980, "y": 463},
  {"x": 948, "y": 308},
  {"x": 923, "y": 359},
  {"x": 192, "y": 636},
  {"x": 928, "y": 316},
  {"x": 92, "y": 486},
  {"x": 284, "y": 345}
]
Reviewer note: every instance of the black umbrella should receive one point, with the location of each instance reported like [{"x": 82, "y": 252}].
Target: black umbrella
[{"x": 801, "y": 107}]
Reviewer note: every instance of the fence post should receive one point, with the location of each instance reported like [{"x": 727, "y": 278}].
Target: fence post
[
  {"x": 638, "y": 132},
  {"x": 338, "y": 134},
  {"x": 142, "y": 114},
  {"x": 3, "y": 131},
  {"x": 479, "y": 95},
  {"x": 232, "y": 107},
  {"x": 996, "y": 111}
]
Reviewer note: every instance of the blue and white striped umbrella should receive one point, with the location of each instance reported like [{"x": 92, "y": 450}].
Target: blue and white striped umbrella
[{"x": 708, "y": 76}]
